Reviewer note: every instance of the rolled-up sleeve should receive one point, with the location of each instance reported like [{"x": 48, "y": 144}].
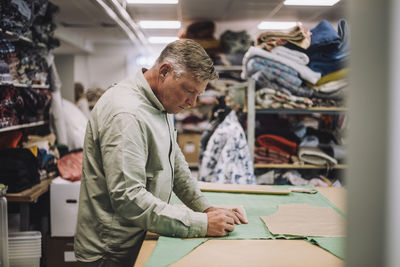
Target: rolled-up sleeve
[{"x": 124, "y": 151}]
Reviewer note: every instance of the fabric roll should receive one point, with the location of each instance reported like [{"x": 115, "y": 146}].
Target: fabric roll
[
  {"x": 291, "y": 54},
  {"x": 304, "y": 72},
  {"x": 331, "y": 87},
  {"x": 315, "y": 156}
]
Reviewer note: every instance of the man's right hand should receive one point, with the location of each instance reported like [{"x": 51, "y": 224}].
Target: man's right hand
[{"x": 220, "y": 222}]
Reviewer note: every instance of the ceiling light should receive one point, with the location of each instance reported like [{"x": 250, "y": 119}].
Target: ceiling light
[
  {"x": 310, "y": 2},
  {"x": 276, "y": 25},
  {"x": 162, "y": 39},
  {"x": 152, "y": 1},
  {"x": 160, "y": 24}
]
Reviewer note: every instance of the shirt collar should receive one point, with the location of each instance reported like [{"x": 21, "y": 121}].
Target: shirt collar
[{"x": 144, "y": 85}]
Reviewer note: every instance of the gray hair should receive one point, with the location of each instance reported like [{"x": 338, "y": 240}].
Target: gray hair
[{"x": 188, "y": 55}]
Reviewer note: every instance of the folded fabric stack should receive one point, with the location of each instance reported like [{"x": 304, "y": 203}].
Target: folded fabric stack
[
  {"x": 270, "y": 156},
  {"x": 274, "y": 149},
  {"x": 296, "y": 35},
  {"x": 287, "y": 140},
  {"x": 295, "y": 62},
  {"x": 329, "y": 52},
  {"x": 32, "y": 19},
  {"x": 271, "y": 98}
]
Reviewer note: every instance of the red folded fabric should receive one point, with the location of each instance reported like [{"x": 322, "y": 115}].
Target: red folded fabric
[{"x": 277, "y": 143}]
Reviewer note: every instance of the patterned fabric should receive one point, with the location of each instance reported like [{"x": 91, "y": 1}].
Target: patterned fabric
[
  {"x": 227, "y": 156},
  {"x": 258, "y": 63},
  {"x": 270, "y": 98},
  {"x": 296, "y": 35},
  {"x": 267, "y": 79},
  {"x": 304, "y": 72}
]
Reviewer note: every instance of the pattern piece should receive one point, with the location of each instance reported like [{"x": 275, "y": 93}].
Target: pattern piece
[{"x": 305, "y": 220}]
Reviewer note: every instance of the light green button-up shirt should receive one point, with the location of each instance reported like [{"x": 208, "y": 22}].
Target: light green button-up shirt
[{"x": 131, "y": 165}]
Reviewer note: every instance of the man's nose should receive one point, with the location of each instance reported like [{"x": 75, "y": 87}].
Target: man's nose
[{"x": 191, "y": 101}]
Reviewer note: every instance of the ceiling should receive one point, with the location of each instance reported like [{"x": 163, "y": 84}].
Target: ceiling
[{"x": 84, "y": 23}]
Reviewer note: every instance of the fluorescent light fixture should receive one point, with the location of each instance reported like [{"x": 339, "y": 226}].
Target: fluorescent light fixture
[
  {"x": 167, "y": 2},
  {"x": 276, "y": 25},
  {"x": 162, "y": 39},
  {"x": 310, "y": 2},
  {"x": 160, "y": 24}
]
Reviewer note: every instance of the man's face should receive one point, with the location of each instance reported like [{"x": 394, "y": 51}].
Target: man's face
[{"x": 179, "y": 93}]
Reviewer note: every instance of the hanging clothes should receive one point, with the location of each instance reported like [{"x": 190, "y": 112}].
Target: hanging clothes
[{"x": 227, "y": 156}]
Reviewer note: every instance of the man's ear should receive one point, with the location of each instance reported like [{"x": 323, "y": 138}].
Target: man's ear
[{"x": 164, "y": 69}]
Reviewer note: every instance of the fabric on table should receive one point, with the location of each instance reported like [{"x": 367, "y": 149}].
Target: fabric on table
[
  {"x": 163, "y": 255},
  {"x": 334, "y": 245},
  {"x": 296, "y": 56},
  {"x": 305, "y": 72},
  {"x": 256, "y": 206},
  {"x": 296, "y": 35},
  {"x": 305, "y": 220},
  {"x": 227, "y": 156}
]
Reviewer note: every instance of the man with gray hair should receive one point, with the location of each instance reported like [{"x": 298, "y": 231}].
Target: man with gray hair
[{"x": 132, "y": 163}]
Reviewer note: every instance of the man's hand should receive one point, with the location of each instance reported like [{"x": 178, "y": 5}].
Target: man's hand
[{"x": 221, "y": 221}]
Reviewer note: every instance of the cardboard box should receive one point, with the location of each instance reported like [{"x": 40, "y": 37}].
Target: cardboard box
[
  {"x": 64, "y": 197},
  {"x": 60, "y": 252},
  {"x": 189, "y": 144}
]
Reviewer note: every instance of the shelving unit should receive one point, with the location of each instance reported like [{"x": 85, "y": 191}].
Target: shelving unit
[
  {"x": 22, "y": 126},
  {"x": 15, "y": 37},
  {"x": 21, "y": 85},
  {"x": 297, "y": 166},
  {"x": 321, "y": 110},
  {"x": 253, "y": 110}
]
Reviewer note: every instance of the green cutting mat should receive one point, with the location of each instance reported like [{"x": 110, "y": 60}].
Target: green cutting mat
[{"x": 170, "y": 250}]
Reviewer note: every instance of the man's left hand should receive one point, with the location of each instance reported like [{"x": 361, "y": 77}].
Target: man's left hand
[{"x": 234, "y": 213}]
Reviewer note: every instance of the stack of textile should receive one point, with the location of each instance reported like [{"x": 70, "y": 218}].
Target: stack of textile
[
  {"x": 32, "y": 19},
  {"x": 301, "y": 64},
  {"x": 306, "y": 141}
]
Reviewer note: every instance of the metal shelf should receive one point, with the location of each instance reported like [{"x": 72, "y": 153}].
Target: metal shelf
[
  {"x": 322, "y": 110},
  {"x": 22, "y": 126},
  {"x": 21, "y": 85},
  {"x": 296, "y": 166},
  {"x": 15, "y": 37}
]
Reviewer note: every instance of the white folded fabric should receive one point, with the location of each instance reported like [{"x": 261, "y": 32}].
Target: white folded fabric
[
  {"x": 331, "y": 87},
  {"x": 291, "y": 54},
  {"x": 315, "y": 156},
  {"x": 305, "y": 72}
]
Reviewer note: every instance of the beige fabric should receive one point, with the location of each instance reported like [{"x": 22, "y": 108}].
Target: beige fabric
[
  {"x": 305, "y": 220},
  {"x": 237, "y": 188},
  {"x": 293, "y": 253}
]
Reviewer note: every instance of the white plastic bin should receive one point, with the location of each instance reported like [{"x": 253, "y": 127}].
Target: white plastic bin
[{"x": 25, "y": 249}]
